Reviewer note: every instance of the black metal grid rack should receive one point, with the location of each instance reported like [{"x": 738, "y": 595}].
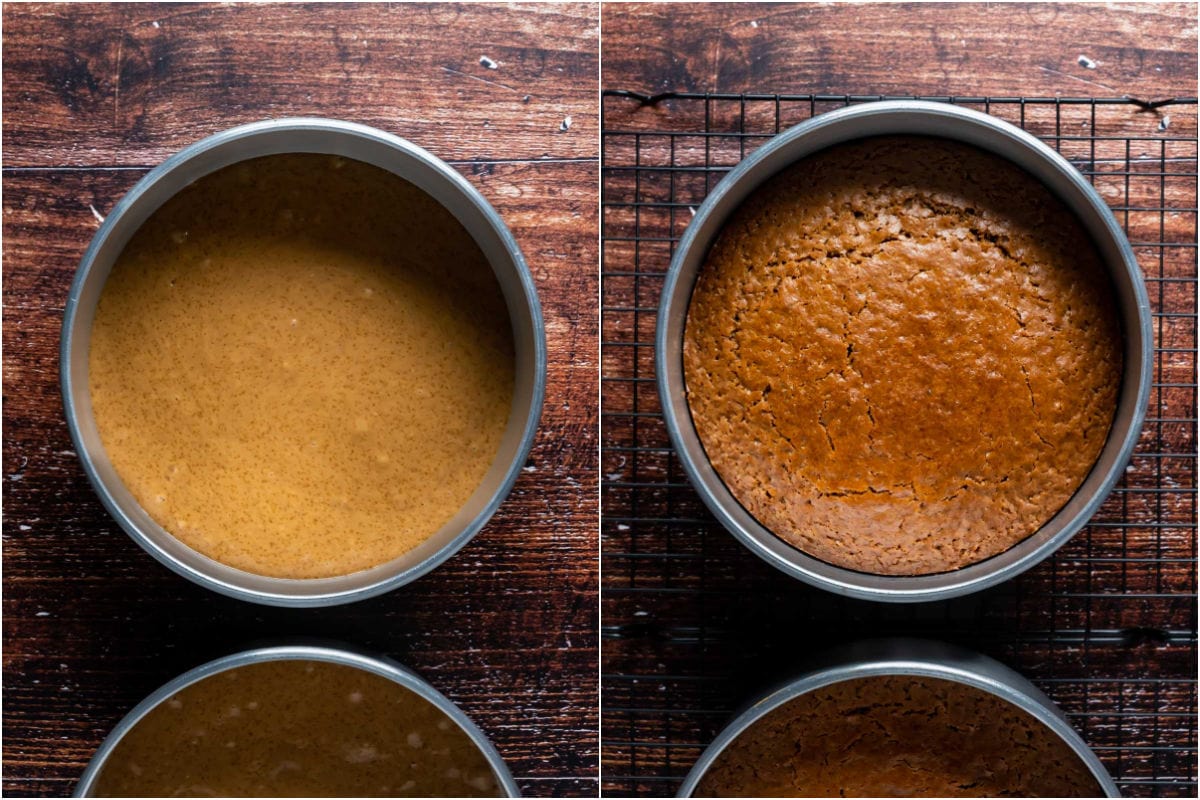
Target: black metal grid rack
[{"x": 693, "y": 624}]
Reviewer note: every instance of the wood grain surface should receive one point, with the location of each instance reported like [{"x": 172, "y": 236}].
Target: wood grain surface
[
  {"x": 1146, "y": 50},
  {"x": 95, "y": 95},
  {"x": 694, "y": 625}
]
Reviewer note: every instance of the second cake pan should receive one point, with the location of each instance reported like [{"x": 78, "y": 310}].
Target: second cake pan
[
  {"x": 329, "y": 653},
  {"x": 911, "y": 657}
]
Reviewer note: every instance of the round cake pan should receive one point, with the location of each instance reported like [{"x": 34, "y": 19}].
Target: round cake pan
[
  {"x": 299, "y": 652},
  {"x": 926, "y": 119},
  {"x": 403, "y": 159},
  {"x": 908, "y": 657}
]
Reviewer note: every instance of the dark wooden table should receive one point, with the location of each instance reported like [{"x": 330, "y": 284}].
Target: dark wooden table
[
  {"x": 96, "y": 95},
  {"x": 693, "y": 625}
]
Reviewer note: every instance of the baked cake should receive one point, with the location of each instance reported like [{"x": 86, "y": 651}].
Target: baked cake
[
  {"x": 902, "y": 355},
  {"x": 898, "y": 736}
]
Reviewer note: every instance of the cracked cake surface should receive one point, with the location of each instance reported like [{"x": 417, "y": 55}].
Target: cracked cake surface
[
  {"x": 898, "y": 736},
  {"x": 902, "y": 355}
]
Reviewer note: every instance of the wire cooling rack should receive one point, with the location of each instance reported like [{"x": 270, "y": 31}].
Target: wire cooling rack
[{"x": 694, "y": 625}]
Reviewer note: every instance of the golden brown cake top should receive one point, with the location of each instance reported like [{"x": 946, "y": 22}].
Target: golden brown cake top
[
  {"x": 898, "y": 736},
  {"x": 902, "y": 355}
]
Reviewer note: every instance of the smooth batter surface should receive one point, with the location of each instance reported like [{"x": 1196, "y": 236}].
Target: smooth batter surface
[
  {"x": 898, "y": 736},
  {"x": 301, "y": 366},
  {"x": 296, "y": 729},
  {"x": 902, "y": 355}
]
